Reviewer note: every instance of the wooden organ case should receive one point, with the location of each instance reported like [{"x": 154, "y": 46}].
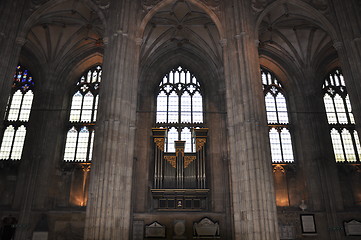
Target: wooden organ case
[{"x": 179, "y": 177}]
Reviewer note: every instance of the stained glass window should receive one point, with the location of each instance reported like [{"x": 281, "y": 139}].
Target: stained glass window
[
  {"x": 345, "y": 141},
  {"x": 277, "y": 118},
  {"x": 84, "y": 105},
  {"x": 17, "y": 115},
  {"x": 179, "y": 107}
]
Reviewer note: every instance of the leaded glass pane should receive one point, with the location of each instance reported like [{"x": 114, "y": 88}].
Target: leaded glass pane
[
  {"x": 349, "y": 110},
  {"x": 7, "y": 142},
  {"x": 95, "y": 76},
  {"x": 340, "y": 109},
  {"x": 76, "y": 107},
  {"x": 348, "y": 146},
  {"x": 330, "y": 109},
  {"x": 275, "y": 145},
  {"x": 286, "y": 145},
  {"x": 82, "y": 147},
  {"x": 96, "y": 108},
  {"x": 18, "y": 143},
  {"x": 172, "y": 136},
  {"x": 271, "y": 108},
  {"x": 264, "y": 78},
  {"x": 87, "y": 109},
  {"x": 173, "y": 108},
  {"x": 281, "y": 108},
  {"x": 337, "y": 145},
  {"x": 70, "y": 146},
  {"x": 26, "y": 106},
  {"x": 15, "y": 106},
  {"x": 197, "y": 108},
  {"x": 162, "y": 107},
  {"x": 186, "y": 135},
  {"x": 91, "y": 145},
  {"x": 186, "y": 108}
]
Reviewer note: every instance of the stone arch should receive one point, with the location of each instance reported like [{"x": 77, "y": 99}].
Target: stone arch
[
  {"x": 36, "y": 16},
  {"x": 165, "y": 3},
  {"x": 323, "y": 22}
]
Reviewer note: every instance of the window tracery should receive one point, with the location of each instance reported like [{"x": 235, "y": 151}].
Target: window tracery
[
  {"x": 179, "y": 107},
  {"x": 82, "y": 119},
  {"x": 277, "y": 118},
  {"x": 17, "y": 115},
  {"x": 345, "y": 141}
]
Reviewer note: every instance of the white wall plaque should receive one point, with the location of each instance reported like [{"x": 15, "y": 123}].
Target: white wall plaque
[{"x": 308, "y": 223}]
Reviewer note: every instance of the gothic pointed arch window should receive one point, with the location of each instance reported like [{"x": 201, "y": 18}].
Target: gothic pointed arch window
[
  {"x": 179, "y": 107},
  {"x": 345, "y": 140},
  {"x": 82, "y": 119},
  {"x": 180, "y": 138},
  {"x": 17, "y": 115},
  {"x": 277, "y": 118}
]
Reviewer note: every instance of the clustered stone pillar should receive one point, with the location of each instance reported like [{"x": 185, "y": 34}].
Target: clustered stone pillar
[
  {"x": 109, "y": 205},
  {"x": 251, "y": 183}
]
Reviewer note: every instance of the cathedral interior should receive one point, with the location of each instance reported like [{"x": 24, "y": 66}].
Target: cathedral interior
[{"x": 180, "y": 119}]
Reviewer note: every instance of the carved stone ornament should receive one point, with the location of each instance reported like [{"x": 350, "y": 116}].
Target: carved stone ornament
[
  {"x": 188, "y": 160},
  {"x": 206, "y": 227},
  {"x": 179, "y": 151},
  {"x": 172, "y": 160},
  {"x": 200, "y": 143},
  {"x": 160, "y": 143},
  {"x": 278, "y": 167}
]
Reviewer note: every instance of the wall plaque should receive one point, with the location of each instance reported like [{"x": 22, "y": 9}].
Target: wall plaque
[
  {"x": 352, "y": 228},
  {"x": 155, "y": 230},
  {"x": 206, "y": 227},
  {"x": 308, "y": 223}
]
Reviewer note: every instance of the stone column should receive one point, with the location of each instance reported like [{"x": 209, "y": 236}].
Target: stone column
[
  {"x": 109, "y": 207},
  {"x": 251, "y": 182},
  {"x": 349, "y": 51},
  {"x": 41, "y": 153},
  {"x": 315, "y": 159},
  {"x": 11, "y": 14}
]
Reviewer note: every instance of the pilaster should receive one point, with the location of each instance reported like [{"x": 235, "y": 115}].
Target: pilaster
[{"x": 109, "y": 207}]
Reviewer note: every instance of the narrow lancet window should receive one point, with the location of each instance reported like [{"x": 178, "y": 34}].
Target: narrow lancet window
[
  {"x": 84, "y": 105},
  {"x": 17, "y": 115},
  {"x": 345, "y": 141},
  {"x": 277, "y": 118}
]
